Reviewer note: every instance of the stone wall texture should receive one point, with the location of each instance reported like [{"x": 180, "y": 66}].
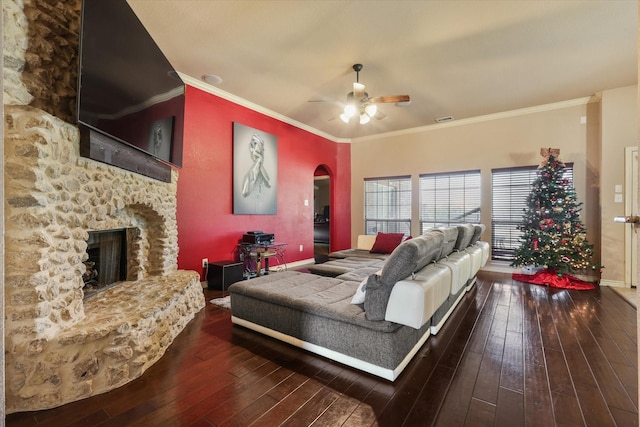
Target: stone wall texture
[
  {"x": 60, "y": 348},
  {"x": 41, "y": 39}
]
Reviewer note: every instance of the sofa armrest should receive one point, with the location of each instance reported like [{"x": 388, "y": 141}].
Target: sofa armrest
[{"x": 414, "y": 301}]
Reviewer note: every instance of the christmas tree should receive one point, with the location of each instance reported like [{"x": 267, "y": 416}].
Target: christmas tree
[{"x": 553, "y": 237}]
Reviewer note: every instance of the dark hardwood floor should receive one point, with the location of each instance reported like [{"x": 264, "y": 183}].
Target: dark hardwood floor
[{"x": 512, "y": 354}]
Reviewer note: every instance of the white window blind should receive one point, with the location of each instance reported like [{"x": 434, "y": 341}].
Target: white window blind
[
  {"x": 387, "y": 205},
  {"x": 449, "y": 199},
  {"x": 510, "y": 190}
]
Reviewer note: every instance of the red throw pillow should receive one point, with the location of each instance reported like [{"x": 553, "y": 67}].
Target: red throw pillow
[{"x": 386, "y": 242}]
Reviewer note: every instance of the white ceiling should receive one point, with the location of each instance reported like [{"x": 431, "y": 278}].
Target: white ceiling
[{"x": 454, "y": 58}]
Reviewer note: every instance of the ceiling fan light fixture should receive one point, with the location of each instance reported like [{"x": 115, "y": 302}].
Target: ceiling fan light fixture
[
  {"x": 350, "y": 110},
  {"x": 360, "y": 105},
  {"x": 371, "y": 109}
]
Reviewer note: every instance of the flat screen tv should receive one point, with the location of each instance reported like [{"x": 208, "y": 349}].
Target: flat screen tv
[{"x": 127, "y": 89}]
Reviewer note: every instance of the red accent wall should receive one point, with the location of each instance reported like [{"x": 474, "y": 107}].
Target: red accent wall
[{"x": 207, "y": 227}]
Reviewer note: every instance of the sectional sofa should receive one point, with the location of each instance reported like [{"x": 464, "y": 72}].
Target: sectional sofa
[{"x": 376, "y": 324}]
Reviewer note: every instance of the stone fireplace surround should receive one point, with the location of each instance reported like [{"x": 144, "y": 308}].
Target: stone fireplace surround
[{"x": 59, "y": 348}]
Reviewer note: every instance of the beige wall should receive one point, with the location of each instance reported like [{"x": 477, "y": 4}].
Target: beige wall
[
  {"x": 619, "y": 130},
  {"x": 503, "y": 140}
]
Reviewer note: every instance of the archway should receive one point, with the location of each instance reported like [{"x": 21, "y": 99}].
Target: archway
[{"x": 322, "y": 213}]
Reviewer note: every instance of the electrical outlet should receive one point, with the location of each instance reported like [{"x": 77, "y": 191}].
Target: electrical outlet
[
  {"x": 205, "y": 262},
  {"x": 300, "y": 248}
]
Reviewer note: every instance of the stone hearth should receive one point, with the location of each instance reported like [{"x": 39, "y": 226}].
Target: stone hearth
[{"x": 59, "y": 348}]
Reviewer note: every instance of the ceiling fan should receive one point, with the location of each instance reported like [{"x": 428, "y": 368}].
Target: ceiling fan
[{"x": 360, "y": 105}]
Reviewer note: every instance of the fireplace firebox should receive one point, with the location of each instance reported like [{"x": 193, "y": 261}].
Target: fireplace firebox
[{"x": 106, "y": 265}]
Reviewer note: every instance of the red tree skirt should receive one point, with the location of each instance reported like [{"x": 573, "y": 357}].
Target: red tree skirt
[{"x": 551, "y": 278}]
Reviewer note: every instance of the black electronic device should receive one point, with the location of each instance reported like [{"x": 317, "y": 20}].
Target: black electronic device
[
  {"x": 221, "y": 274},
  {"x": 259, "y": 238},
  {"x": 127, "y": 89}
]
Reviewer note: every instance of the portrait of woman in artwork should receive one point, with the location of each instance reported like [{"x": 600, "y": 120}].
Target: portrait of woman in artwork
[{"x": 255, "y": 171}]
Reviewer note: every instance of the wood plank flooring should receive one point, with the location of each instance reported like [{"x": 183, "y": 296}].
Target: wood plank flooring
[{"x": 512, "y": 354}]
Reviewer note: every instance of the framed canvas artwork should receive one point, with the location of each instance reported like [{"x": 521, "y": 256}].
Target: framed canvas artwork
[{"x": 255, "y": 171}]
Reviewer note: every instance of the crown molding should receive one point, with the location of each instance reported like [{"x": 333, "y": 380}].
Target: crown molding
[
  {"x": 488, "y": 117},
  {"x": 257, "y": 108},
  {"x": 462, "y": 122}
]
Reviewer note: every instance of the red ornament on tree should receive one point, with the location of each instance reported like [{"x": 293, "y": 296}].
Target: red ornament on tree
[{"x": 534, "y": 242}]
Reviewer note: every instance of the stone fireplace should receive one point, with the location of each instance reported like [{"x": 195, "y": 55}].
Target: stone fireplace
[{"x": 60, "y": 347}]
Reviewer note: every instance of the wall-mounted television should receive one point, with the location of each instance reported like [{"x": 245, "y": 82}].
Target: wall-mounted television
[{"x": 127, "y": 89}]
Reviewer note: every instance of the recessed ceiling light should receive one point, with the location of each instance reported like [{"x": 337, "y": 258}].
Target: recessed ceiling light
[{"x": 212, "y": 79}]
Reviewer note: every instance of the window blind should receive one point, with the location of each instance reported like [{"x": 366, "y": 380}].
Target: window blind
[
  {"x": 387, "y": 205},
  {"x": 449, "y": 199}
]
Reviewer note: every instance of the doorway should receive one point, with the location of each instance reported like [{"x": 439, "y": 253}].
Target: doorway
[
  {"x": 322, "y": 214},
  {"x": 631, "y": 208}
]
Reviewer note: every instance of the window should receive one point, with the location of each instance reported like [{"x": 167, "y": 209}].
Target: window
[
  {"x": 510, "y": 189},
  {"x": 387, "y": 205},
  {"x": 448, "y": 199}
]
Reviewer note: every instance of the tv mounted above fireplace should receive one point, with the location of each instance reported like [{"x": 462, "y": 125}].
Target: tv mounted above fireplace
[{"x": 127, "y": 89}]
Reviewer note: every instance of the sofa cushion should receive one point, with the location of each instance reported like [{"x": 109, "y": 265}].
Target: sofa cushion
[
  {"x": 450, "y": 238},
  {"x": 465, "y": 233},
  {"x": 386, "y": 242},
  {"x": 409, "y": 257},
  {"x": 340, "y": 266},
  {"x": 360, "y": 274},
  {"x": 359, "y": 253},
  {"x": 358, "y": 297},
  {"x": 478, "y": 229},
  {"x": 365, "y": 242}
]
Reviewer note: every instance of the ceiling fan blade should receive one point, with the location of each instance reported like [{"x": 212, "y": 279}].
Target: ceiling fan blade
[
  {"x": 389, "y": 99},
  {"x": 358, "y": 91},
  {"x": 379, "y": 115}
]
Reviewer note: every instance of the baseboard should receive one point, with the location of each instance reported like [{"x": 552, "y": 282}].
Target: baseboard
[
  {"x": 500, "y": 268},
  {"x": 613, "y": 283},
  {"x": 293, "y": 265}
]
